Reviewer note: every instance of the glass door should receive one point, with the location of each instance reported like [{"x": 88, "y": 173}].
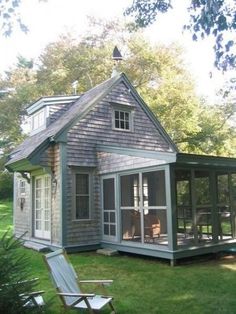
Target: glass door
[
  {"x": 109, "y": 209},
  {"x": 143, "y": 207},
  {"x": 42, "y": 205}
]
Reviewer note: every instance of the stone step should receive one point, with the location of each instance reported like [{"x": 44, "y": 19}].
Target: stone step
[
  {"x": 107, "y": 252},
  {"x": 36, "y": 246}
]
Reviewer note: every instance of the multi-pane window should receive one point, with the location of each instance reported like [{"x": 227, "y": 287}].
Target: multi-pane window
[
  {"x": 22, "y": 187},
  {"x": 38, "y": 120},
  {"x": 122, "y": 120},
  {"x": 82, "y": 199}
]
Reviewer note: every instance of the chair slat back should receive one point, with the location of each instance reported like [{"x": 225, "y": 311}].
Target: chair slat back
[{"x": 63, "y": 275}]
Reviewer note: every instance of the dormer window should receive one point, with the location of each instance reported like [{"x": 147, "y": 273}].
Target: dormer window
[
  {"x": 122, "y": 118},
  {"x": 38, "y": 121}
]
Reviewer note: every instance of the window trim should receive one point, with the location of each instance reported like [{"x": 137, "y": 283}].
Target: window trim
[
  {"x": 124, "y": 109},
  {"x": 45, "y": 112},
  {"x": 90, "y": 194},
  {"x": 20, "y": 187}
]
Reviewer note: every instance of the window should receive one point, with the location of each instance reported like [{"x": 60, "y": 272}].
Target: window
[
  {"x": 122, "y": 120},
  {"x": 22, "y": 187},
  {"x": 38, "y": 120},
  {"x": 82, "y": 198}
]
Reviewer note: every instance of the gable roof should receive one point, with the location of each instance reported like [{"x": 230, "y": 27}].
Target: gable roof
[{"x": 39, "y": 141}]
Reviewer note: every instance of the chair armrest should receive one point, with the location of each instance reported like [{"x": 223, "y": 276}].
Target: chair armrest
[
  {"x": 99, "y": 281},
  {"x": 32, "y": 294},
  {"x": 82, "y": 295}
]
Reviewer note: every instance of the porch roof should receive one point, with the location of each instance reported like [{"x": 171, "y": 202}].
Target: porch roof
[{"x": 205, "y": 160}]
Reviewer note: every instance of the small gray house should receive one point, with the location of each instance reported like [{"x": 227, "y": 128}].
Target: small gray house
[{"x": 98, "y": 170}]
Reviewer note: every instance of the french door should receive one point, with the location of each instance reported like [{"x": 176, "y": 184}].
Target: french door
[
  {"x": 42, "y": 207},
  {"x": 143, "y": 207}
]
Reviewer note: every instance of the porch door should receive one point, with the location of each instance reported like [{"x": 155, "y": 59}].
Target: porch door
[
  {"x": 109, "y": 209},
  {"x": 42, "y": 205},
  {"x": 143, "y": 207}
]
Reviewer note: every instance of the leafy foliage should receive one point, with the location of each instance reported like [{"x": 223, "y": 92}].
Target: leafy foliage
[
  {"x": 14, "y": 270},
  {"x": 215, "y": 17},
  {"x": 158, "y": 73},
  {"x": 10, "y": 15},
  {"x": 6, "y": 185}
]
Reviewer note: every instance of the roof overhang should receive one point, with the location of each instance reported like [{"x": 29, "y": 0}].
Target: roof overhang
[
  {"x": 168, "y": 157},
  {"x": 204, "y": 160},
  {"x": 23, "y": 165},
  {"x": 50, "y": 100}
]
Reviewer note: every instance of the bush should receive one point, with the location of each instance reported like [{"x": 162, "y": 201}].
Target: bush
[
  {"x": 14, "y": 272},
  {"x": 6, "y": 185}
]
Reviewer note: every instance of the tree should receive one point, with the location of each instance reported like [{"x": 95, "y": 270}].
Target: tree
[
  {"x": 207, "y": 17},
  {"x": 158, "y": 73},
  {"x": 10, "y": 17}
]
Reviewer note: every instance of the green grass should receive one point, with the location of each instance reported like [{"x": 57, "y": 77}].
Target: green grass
[{"x": 145, "y": 285}]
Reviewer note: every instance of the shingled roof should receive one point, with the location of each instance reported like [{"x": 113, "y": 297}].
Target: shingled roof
[
  {"x": 33, "y": 144},
  {"x": 77, "y": 110}
]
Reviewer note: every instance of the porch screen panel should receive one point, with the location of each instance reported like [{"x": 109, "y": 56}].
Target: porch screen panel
[
  {"x": 154, "y": 207},
  {"x": 130, "y": 210},
  {"x": 225, "y": 220},
  {"x": 130, "y": 191},
  {"x": 203, "y": 231},
  {"x": 184, "y": 207},
  {"x": 109, "y": 214}
]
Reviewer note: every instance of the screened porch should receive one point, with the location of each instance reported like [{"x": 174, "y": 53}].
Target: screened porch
[{"x": 184, "y": 208}]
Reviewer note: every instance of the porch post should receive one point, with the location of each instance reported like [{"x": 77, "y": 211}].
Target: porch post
[
  {"x": 214, "y": 213},
  {"x": 171, "y": 208}
]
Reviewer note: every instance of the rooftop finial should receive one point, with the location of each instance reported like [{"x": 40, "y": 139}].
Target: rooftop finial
[
  {"x": 117, "y": 57},
  {"x": 74, "y": 86}
]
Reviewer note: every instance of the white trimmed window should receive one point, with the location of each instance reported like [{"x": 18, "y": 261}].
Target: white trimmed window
[
  {"x": 22, "y": 187},
  {"x": 38, "y": 120},
  {"x": 82, "y": 196},
  {"x": 122, "y": 119}
]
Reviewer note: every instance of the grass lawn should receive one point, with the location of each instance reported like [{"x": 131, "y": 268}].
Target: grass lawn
[{"x": 145, "y": 285}]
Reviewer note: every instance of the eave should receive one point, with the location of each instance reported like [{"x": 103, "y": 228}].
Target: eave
[
  {"x": 50, "y": 100},
  {"x": 204, "y": 160},
  {"x": 23, "y": 165}
]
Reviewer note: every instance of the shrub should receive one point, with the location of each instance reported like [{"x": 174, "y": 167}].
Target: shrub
[
  {"x": 6, "y": 185},
  {"x": 14, "y": 272}
]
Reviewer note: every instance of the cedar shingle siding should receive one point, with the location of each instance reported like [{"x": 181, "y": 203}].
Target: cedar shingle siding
[
  {"x": 85, "y": 124},
  {"x": 82, "y": 141}
]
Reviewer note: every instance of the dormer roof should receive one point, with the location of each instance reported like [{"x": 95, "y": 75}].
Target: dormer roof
[
  {"x": 56, "y": 131},
  {"x": 50, "y": 100}
]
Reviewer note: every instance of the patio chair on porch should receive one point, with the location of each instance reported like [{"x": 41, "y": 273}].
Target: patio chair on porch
[{"x": 66, "y": 282}]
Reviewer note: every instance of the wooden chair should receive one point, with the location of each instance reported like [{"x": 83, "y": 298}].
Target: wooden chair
[
  {"x": 152, "y": 230},
  {"x": 30, "y": 299},
  {"x": 156, "y": 230},
  {"x": 66, "y": 282}
]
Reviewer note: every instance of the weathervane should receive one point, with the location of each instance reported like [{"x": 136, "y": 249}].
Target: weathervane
[
  {"x": 74, "y": 86},
  {"x": 117, "y": 57}
]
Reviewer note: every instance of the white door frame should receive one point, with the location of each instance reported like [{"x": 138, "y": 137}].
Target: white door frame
[{"x": 42, "y": 207}]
